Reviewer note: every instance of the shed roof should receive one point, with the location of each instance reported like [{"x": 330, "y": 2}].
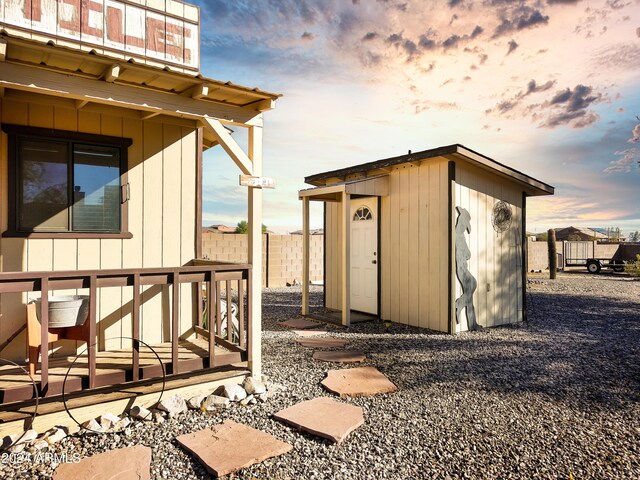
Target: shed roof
[{"x": 453, "y": 152}]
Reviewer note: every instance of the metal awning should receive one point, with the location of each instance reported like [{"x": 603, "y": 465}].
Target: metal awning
[{"x": 367, "y": 187}]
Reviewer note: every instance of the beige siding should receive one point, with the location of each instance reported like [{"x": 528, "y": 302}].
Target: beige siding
[
  {"x": 413, "y": 247},
  {"x": 162, "y": 166},
  {"x": 496, "y": 260}
]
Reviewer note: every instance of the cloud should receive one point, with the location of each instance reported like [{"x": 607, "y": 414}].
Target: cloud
[
  {"x": 369, "y": 36},
  {"x": 308, "y": 36},
  {"x": 635, "y": 134},
  {"x": 533, "y": 87},
  {"x": 638, "y": 32},
  {"x": 426, "y": 43},
  {"x": 476, "y": 31},
  {"x": 512, "y": 46},
  {"x": 523, "y": 17},
  {"x": 452, "y": 41},
  {"x": 394, "y": 38}
]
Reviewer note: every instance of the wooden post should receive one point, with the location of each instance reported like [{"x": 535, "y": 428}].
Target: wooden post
[
  {"x": 44, "y": 334},
  {"x": 175, "y": 321},
  {"x": 553, "y": 257},
  {"x": 255, "y": 252},
  {"x": 211, "y": 295},
  {"x": 135, "y": 327},
  {"x": 91, "y": 342},
  {"x": 305, "y": 255},
  {"x": 346, "y": 259}
]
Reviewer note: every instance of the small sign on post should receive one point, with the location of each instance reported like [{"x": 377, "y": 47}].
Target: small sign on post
[{"x": 257, "y": 182}]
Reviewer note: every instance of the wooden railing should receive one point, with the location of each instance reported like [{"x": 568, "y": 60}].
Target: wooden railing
[{"x": 212, "y": 274}]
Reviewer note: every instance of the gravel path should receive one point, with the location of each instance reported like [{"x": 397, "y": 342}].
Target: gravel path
[{"x": 557, "y": 396}]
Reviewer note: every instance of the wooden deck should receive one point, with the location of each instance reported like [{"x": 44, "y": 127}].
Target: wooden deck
[{"x": 112, "y": 367}]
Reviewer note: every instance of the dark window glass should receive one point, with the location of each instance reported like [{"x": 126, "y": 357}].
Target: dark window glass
[
  {"x": 96, "y": 189},
  {"x": 43, "y": 197},
  {"x": 65, "y": 186}
]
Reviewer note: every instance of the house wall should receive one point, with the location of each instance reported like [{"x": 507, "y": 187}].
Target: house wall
[
  {"x": 413, "y": 247},
  {"x": 496, "y": 258},
  {"x": 162, "y": 177}
]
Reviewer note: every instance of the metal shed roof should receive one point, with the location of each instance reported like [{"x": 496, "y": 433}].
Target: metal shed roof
[{"x": 453, "y": 152}]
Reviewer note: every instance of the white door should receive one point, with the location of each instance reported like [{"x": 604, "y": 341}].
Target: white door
[{"x": 364, "y": 254}]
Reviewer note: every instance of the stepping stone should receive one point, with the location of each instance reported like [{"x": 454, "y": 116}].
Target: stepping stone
[
  {"x": 299, "y": 323},
  {"x": 340, "y": 356},
  {"x": 230, "y": 446},
  {"x": 130, "y": 463},
  {"x": 322, "y": 342},
  {"x": 309, "y": 333},
  {"x": 323, "y": 417},
  {"x": 357, "y": 382}
]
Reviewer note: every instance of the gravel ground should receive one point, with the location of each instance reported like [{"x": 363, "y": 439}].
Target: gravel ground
[{"x": 553, "y": 398}]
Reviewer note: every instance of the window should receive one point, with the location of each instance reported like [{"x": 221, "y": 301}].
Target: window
[
  {"x": 66, "y": 183},
  {"x": 363, "y": 213}
]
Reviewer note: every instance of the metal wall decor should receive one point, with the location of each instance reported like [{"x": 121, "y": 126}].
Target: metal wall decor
[
  {"x": 467, "y": 281},
  {"x": 501, "y": 216}
]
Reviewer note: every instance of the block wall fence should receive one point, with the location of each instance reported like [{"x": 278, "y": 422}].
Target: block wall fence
[{"x": 282, "y": 255}]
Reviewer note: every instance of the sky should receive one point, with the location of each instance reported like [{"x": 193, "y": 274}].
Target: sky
[{"x": 550, "y": 88}]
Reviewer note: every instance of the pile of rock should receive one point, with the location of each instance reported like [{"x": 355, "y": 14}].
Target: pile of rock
[
  {"x": 31, "y": 442},
  {"x": 249, "y": 393}
]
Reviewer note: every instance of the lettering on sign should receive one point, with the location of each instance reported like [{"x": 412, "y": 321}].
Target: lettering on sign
[
  {"x": 257, "y": 182},
  {"x": 109, "y": 24}
]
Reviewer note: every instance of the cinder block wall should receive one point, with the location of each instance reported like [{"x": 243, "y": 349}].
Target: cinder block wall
[
  {"x": 538, "y": 257},
  {"x": 281, "y": 261}
]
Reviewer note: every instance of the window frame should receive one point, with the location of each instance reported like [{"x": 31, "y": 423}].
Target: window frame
[{"x": 14, "y": 132}]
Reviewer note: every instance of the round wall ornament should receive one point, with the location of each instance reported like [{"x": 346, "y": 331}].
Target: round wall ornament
[{"x": 501, "y": 216}]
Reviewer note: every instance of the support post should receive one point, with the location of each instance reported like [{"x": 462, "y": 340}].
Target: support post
[
  {"x": 255, "y": 252},
  {"x": 305, "y": 255},
  {"x": 553, "y": 257},
  {"x": 346, "y": 259}
]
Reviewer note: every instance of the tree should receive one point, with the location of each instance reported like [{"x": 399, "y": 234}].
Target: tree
[
  {"x": 243, "y": 227},
  {"x": 633, "y": 268},
  {"x": 634, "y": 236}
]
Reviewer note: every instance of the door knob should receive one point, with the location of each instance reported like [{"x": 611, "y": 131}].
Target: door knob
[{"x": 374, "y": 262}]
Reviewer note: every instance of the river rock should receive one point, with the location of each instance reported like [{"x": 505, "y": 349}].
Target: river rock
[
  {"x": 253, "y": 386},
  {"x": 234, "y": 392}
]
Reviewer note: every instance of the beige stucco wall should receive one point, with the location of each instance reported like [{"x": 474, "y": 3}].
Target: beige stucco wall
[
  {"x": 162, "y": 177},
  {"x": 282, "y": 262}
]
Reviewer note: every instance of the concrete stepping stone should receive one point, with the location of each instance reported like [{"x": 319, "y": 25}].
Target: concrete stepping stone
[
  {"x": 310, "y": 333},
  {"x": 323, "y": 417},
  {"x": 357, "y": 382},
  {"x": 299, "y": 323},
  {"x": 130, "y": 463},
  {"x": 340, "y": 356},
  {"x": 322, "y": 342},
  {"x": 231, "y": 446}
]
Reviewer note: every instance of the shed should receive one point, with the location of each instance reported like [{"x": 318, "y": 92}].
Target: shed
[
  {"x": 432, "y": 239},
  {"x": 104, "y": 117}
]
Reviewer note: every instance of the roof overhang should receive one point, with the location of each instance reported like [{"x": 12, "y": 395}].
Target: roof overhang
[
  {"x": 452, "y": 152},
  {"x": 365, "y": 187}
]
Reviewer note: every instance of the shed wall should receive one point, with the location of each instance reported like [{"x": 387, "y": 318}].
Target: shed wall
[
  {"x": 162, "y": 178},
  {"x": 413, "y": 247},
  {"x": 496, "y": 258}
]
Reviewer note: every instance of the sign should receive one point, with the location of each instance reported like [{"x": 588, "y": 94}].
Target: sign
[
  {"x": 115, "y": 25},
  {"x": 257, "y": 182}
]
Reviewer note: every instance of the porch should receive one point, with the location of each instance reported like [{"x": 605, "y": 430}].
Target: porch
[{"x": 212, "y": 342}]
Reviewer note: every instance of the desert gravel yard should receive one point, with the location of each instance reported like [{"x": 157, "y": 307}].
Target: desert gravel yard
[{"x": 555, "y": 398}]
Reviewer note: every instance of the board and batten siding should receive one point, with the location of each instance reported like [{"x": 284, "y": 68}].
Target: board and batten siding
[
  {"x": 496, "y": 258},
  {"x": 413, "y": 247},
  {"x": 162, "y": 177}
]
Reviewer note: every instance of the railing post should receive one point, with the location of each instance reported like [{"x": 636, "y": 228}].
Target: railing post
[
  {"x": 44, "y": 334},
  {"x": 175, "y": 318},
  {"x": 249, "y": 315},
  {"x": 229, "y": 313},
  {"x": 211, "y": 285},
  {"x": 135, "y": 327},
  {"x": 241, "y": 341},
  {"x": 91, "y": 347}
]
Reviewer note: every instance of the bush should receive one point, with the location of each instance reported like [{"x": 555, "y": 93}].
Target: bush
[{"x": 633, "y": 268}]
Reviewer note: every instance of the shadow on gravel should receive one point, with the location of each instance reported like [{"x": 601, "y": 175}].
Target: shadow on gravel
[{"x": 578, "y": 350}]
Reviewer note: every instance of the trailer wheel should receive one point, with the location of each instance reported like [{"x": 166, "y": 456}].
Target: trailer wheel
[{"x": 593, "y": 266}]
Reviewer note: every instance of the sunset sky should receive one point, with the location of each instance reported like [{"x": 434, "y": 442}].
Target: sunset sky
[{"x": 551, "y": 88}]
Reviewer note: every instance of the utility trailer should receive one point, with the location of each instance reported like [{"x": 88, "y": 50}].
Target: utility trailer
[{"x": 582, "y": 254}]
